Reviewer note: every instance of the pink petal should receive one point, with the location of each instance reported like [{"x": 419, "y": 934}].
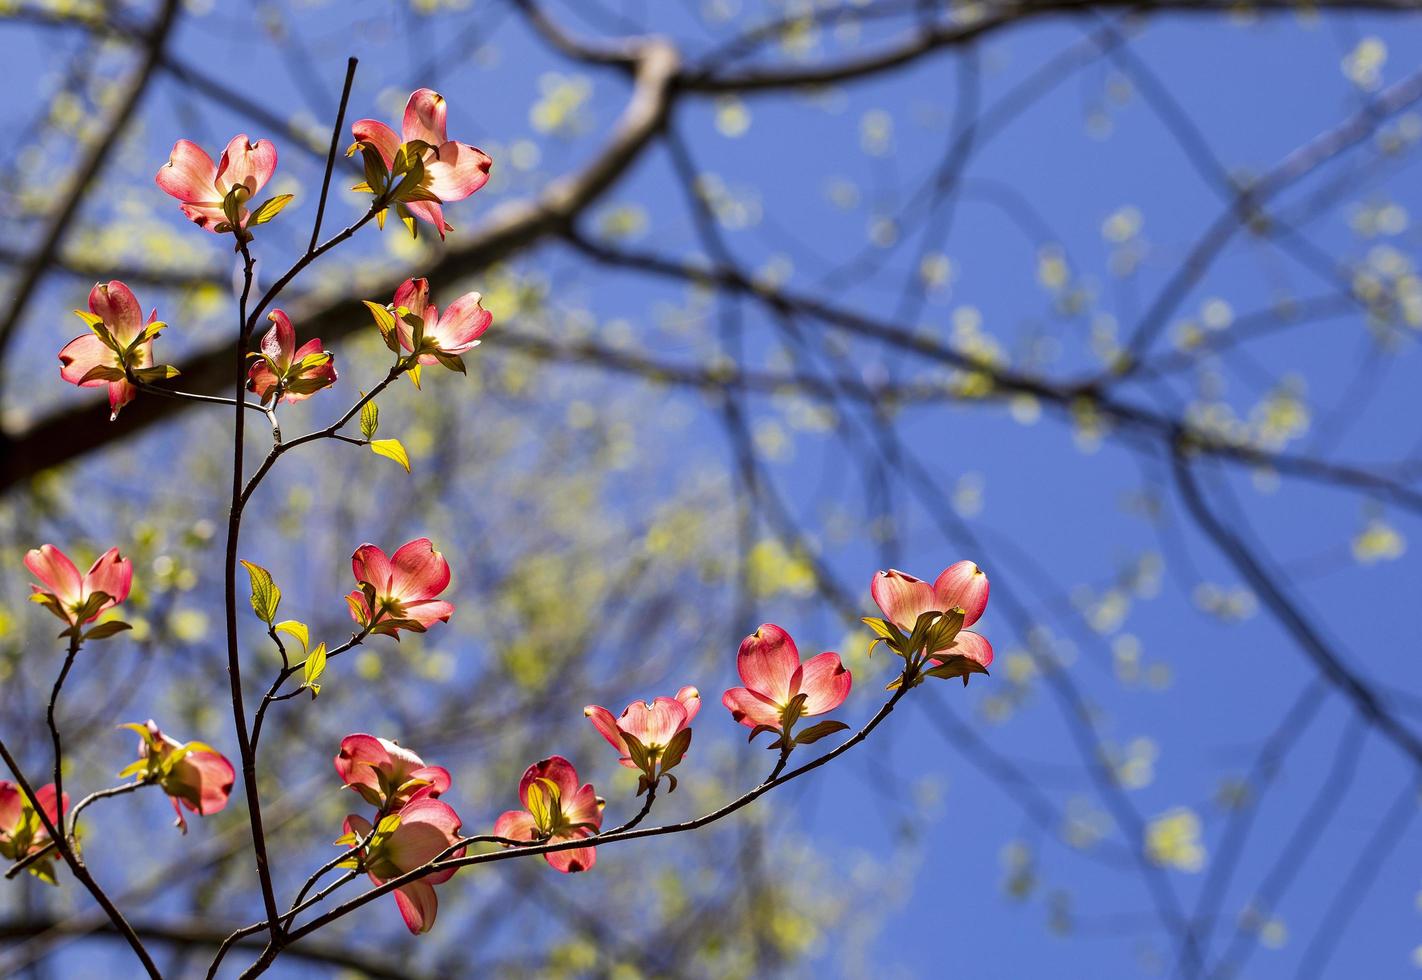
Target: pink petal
[
  {"x": 378, "y": 135},
  {"x": 81, "y": 355},
  {"x": 115, "y": 304},
  {"x": 825, "y": 683},
  {"x": 427, "y": 612},
  {"x": 418, "y": 905},
  {"x": 205, "y": 216},
  {"x": 606, "y": 725},
  {"x": 370, "y": 565},
  {"x": 312, "y": 346},
  {"x": 261, "y": 379},
  {"x": 555, "y": 768},
  {"x": 962, "y": 585},
  {"x": 120, "y": 394},
  {"x": 11, "y": 806},
  {"x": 902, "y": 597},
  {"x": 245, "y": 162},
  {"x": 427, "y": 828},
  {"x": 209, "y": 777},
  {"x": 436, "y": 778},
  {"x": 766, "y": 661},
  {"x": 189, "y": 175},
  {"x": 360, "y": 756},
  {"x": 573, "y": 860},
  {"x": 972, "y": 645},
  {"x": 357, "y": 825},
  {"x": 413, "y": 295},
  {"x": 751, "y": 709},
  {"x": 516, "y": 825},
  {"x": 420, "y": 572},
  {"x": 113, "y": 574},
  {"x": 425, "y": 117},
  {"x": 456, "y": 170},
  {"x": 430, "y": 213},
  {"x": 690, "y": 699},
  {"x": 44, "y": 796},
  {"x": 464, "y": 321},
  {"x": 280, "y": 341},
  {"x": 583, "y": 807},
  {"x": 654, "y": 724},
  {"x": 53, "y": 567}
]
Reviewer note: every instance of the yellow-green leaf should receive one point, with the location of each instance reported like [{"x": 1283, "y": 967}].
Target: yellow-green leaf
[
  {"x": 391, "y": 449},
  {"x": 265, "y": 594},
  {"x": 369, "y": 418},
  {"x": 270, "y": 208},
  {"x": 296, "y": 629},
  {"x": 314, "y": 667}
]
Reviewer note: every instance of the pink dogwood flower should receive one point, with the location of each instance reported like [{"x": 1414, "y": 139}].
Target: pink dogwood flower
[
  {"x": 385, "y": 774},
  {"x": 74, "y": 598},
  {"x": 654, "y": 727},
  {"x": 775, "y": 678},
  {"x": 556, "y": 808},
  {"x": 961, "y": 586},
  {"x": 193, "y": 774},
  {"x": 418, "y": 327},
  {"x": 413, "y": 836},
  {"x": 215, "y": 196},
  {"x": 422, "y": 168},
  {"x": 400, "y": 592},
  {"x": 120, "y": 345},
  {"x": 282, "y": 370},
  {"x": 22, "y": 832}
]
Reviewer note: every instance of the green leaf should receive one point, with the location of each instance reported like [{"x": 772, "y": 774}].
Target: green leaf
[
  {"x": 314, "y": 667},
  {"x": 940, "y": 636},
  {"x": 270, "y": 208},
  {"x": 369, "y": 418},
  {"x": 675, "y": 749},
  {"x": 102, "y": 372},
  {"x": 791, "y": 713},
  {"x": 92, "y": 605},
  {"x": 133, "y": 769},
  {"x": 759, "y": 729},
  {"x": 816, "y": 732},
  {"x": 162, "y": 372},
  {"x": 384, "y": 319},
  {"x": 105, "y": 630},
  {"x": 956, "y": 666},
  {"x": 265, "y": 594},
  {"x": 296, "y": 629},
  {"x": 637, "y": 752},
  {"x": 391, "y": 449}
]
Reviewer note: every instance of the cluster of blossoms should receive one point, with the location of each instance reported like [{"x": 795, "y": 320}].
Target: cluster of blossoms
[
  {"x": 412, "y": 833},
  {"x": 416, "y": 173},
  {"x": 411, "y": 826},
  {"x": 192, "y": 774}
]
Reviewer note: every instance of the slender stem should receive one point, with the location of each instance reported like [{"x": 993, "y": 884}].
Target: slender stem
[
  {"x": 227, "y": 944},
  {"x": 331, "y": 431},
  {"x": 441, "y": 863},
  {"x": 76, "y": 865},
  {"x": 70, "y": 654},
  {"x": 331, "y": 154},
  {"x": 641, "y": 814},
  {"x": 185, "y": 395},
  {"x": 234, "y": 666}
]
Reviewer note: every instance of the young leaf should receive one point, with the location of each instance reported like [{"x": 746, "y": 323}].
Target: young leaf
[
  {"x": 369, "y": 418},
  {"x": 105, "y": 630},
  {"x": 391, "y": 449},
  {"x": 314, "y": 667},
  {"x": 675, "y": 749},
  {"x": 295, "y": 629},
  {"x": 265, "y": 594},
  {"x": 637, "y": 752},
  {"x": 270, "y": 208},
  {"x": 816, "y": 732}
]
